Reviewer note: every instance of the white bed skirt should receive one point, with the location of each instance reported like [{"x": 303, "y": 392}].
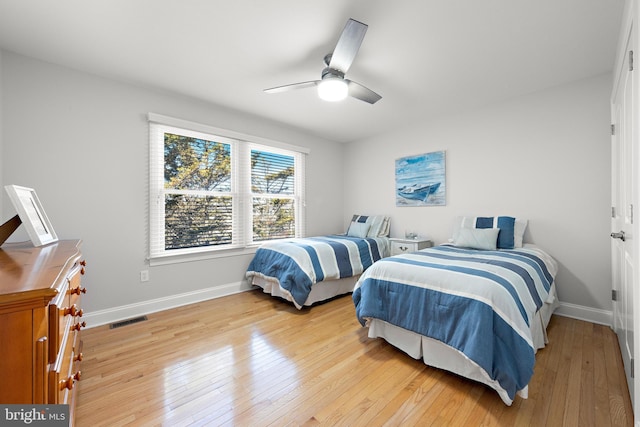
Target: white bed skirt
[
  {"x": 319, "y": 291},
  {"x": 439, "y": 355}
]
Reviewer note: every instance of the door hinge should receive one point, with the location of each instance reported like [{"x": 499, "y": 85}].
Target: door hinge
[
  {"x": 630, "y": 60},
  {"x": 614, "y": 295},
  {"x": 613, "y": 211},
  {"x": 613, "y": 129},
  {"x": 633, "y": 368}
]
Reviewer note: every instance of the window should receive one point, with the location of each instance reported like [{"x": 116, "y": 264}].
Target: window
[{"x": 214, "y": 191}]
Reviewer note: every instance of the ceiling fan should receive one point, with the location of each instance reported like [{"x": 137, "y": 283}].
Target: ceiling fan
[{"x": 333, "y": 86}]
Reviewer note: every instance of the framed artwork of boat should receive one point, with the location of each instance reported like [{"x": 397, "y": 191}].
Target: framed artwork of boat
[{"x": 420, "y": 180}]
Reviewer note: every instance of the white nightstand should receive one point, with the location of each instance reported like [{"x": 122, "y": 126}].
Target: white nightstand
[{"x": 403, "y": 246}]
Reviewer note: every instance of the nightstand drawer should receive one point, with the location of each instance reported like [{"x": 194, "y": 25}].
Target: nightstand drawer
[{"x": 403, "y": 246}]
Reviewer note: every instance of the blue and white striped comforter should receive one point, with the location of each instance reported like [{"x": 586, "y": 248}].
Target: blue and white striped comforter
[
  {"x": 481, "y": 303},
  {"x": 299, "y": 263}
]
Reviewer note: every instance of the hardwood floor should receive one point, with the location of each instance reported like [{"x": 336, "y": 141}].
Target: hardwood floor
[{"x": 253, "y": 360}]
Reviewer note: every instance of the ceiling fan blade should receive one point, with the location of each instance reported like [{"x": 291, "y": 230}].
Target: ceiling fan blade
[
  {"x": 362, "y": 93},
  {"x": 348, "y": 45},
  {"x": 292, "y": 87}
]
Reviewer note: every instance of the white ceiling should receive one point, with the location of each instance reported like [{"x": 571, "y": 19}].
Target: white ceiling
[{"x": 425, "y": 57}]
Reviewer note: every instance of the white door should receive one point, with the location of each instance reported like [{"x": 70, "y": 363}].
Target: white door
[{"x": 623, "y": 179}]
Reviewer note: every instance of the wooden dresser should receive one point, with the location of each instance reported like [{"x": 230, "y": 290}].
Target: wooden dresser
[{"x": 40, "y": 322}]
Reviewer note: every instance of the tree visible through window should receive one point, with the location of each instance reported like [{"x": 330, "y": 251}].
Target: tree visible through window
[
  {"x": 198, "y": 201},
  {"x": 272, "y": 186},
  {"x": 213, "y": 192}
]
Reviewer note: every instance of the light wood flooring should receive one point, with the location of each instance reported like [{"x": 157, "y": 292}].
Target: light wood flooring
[{"x": 253, "y": 360}]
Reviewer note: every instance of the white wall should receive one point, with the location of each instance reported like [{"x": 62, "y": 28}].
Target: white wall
[
  {"x": 544, "y": 157},
  {"x": 82, "y": 142}
]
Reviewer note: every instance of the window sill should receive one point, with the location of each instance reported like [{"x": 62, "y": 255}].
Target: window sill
[{"x": 201, "y": 256}]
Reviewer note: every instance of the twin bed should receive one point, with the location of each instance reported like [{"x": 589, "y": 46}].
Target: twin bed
[
  {"x": 478, "y": 306},
  {"x": 309, "y": 270}
]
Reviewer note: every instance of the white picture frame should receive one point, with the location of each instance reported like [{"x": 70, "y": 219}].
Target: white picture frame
[{"x": 32, "y": 215}]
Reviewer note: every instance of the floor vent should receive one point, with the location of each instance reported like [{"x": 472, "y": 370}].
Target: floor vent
[{"x": 127, "y": 322}]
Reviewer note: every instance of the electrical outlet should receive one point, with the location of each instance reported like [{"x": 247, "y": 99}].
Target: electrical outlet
[{"x": 144, "y": 275}]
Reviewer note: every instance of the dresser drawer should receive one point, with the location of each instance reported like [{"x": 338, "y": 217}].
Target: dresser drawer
[
  {"x": 65, "y": 373},
  {"x": 75, "y": 284},
  {"x": 65, "y": 315},
  {"x": 65, "y": 312}
]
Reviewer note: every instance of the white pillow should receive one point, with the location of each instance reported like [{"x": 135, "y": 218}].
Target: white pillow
[
  {"x": 358, "y": 229},
  {"x": 518, "y": 232},
  {"x": 378, "y": 224},
  {"x": 477, "y": 238}
]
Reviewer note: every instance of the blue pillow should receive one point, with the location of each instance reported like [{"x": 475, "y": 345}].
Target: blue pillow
[
  {"x": 506, "y": 224},
  {"x": 359, "y": 218}
]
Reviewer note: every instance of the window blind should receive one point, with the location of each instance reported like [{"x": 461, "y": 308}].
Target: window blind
[{"x": 210, "y": 192}]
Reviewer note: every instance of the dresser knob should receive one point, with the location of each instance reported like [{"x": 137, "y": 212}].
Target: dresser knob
[
  {"x": 78, "y": 358},
  {"x": 69, "y": 382},
  {"x": 74, "y": 311},
  {"x": 78, "y": 291},
  {"x": 78, "y": 326}
]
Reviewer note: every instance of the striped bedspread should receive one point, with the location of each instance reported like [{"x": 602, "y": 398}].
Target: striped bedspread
[
  {"x": 481, "y": 303},
  {"x": 299, "y": 263}
]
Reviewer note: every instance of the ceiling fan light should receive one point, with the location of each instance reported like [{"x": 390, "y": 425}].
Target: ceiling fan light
[{"x": 333, "y": 89}]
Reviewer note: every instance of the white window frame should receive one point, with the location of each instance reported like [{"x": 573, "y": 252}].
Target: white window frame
[{"x": 241, "y": 146}]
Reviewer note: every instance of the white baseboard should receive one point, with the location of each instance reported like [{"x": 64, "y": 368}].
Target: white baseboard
[
  {"x": 103, "y": 317},
  {"x": 580, "y": 312}
]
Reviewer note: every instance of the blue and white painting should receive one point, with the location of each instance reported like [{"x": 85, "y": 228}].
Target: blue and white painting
[{"x": 420, "y": 180}]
